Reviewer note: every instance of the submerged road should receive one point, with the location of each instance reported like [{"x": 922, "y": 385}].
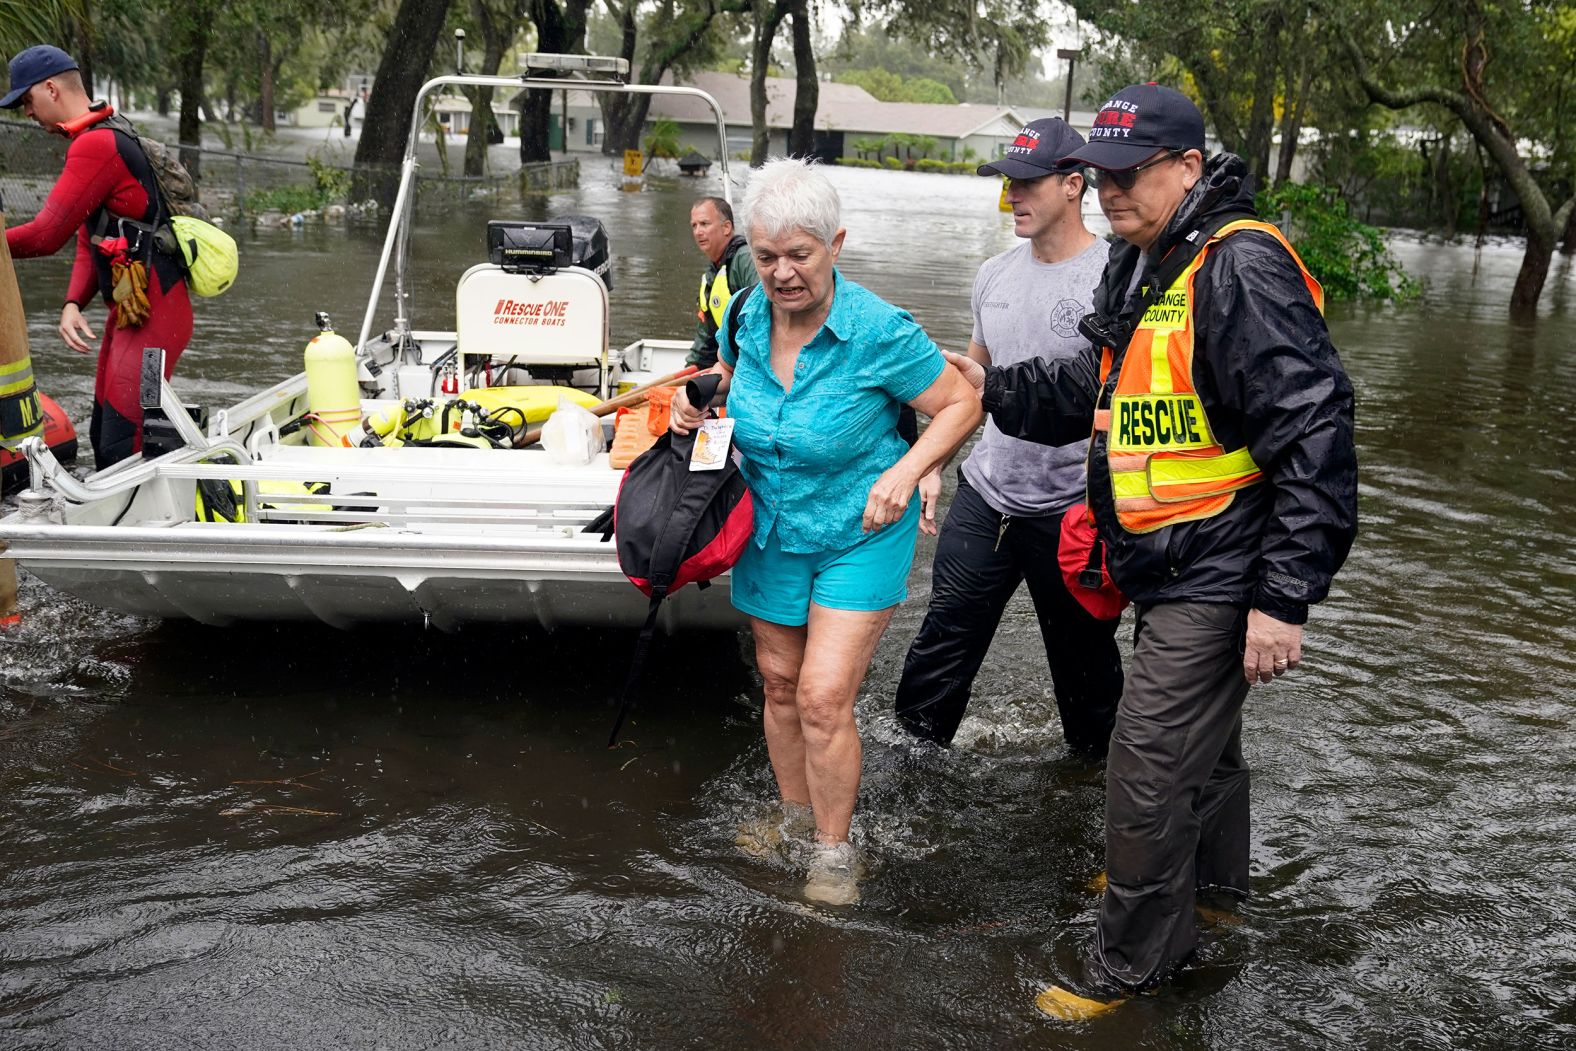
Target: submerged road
[{"x": 293, "y": 836}]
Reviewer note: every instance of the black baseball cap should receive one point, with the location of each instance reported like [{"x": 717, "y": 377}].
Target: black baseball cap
[
  {"x": 1035, "y": 151},
  {"x": 1135, "y": 124},
  {"x": 32, "y": 65}
]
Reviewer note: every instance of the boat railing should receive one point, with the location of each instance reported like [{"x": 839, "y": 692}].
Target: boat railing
[
  {"x": 396, "y": 241},
  {"x": 357, "y": 493},
  {"x": 397, "y": 494}
]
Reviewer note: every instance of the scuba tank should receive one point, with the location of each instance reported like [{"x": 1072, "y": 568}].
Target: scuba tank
[
  {"x": 333, "y": 394},
  {"x": 380, "y": 428}
]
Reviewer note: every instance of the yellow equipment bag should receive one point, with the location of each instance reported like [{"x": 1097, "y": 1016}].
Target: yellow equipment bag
[
  {"x": 207, "y": 253},
  {"x": 535, "y": 402}
]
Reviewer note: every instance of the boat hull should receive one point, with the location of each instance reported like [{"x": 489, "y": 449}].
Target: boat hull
[{"x": 346, "y": 579}]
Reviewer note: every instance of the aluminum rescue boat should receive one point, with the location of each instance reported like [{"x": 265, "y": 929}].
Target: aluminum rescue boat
[{"x": 280, "y": 510}]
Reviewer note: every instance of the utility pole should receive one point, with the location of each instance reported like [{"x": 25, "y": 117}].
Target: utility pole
[{"x": 1071, "y": 54}]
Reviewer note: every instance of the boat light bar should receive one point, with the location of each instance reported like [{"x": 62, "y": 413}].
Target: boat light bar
[{"x": 617, "y": 67}]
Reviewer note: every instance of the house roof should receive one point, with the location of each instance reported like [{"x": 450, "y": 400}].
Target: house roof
[
  {"x": 929, "y": 118},
  {"x": 839, "y": 107},
  {"x": 732, "y": 92}
]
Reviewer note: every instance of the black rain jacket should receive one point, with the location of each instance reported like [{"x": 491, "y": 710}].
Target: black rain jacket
[{"x": 1269, "y": 379}]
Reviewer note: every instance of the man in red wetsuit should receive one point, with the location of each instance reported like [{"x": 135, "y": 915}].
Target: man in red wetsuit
[{"x": 106, "y": 178}]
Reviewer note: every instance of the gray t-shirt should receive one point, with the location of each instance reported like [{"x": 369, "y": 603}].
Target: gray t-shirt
[{"x": 1022, "y": 309}]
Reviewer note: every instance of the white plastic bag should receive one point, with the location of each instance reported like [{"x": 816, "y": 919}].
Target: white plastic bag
[{"x": 572, "y": 434}]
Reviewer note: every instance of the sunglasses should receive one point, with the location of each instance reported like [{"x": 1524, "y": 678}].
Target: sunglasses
[{"x": 1127, "y": 177}]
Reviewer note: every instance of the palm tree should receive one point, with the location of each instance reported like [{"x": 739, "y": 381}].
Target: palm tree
[
  {"x": 661, "y": 141},
  {"x": 24, "y": 23}
]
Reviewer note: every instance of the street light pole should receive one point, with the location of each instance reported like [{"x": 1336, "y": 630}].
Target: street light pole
[{"x": 1071, "y": 54}]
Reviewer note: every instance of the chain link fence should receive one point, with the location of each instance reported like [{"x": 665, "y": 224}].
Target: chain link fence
[{"x": 250, "y": 186}]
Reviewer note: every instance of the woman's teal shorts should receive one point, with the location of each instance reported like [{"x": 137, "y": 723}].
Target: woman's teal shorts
[{"x": 778, "y": 585}]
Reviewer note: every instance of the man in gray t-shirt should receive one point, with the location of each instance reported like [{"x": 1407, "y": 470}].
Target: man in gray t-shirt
[{"x": 1004, "y": 525}]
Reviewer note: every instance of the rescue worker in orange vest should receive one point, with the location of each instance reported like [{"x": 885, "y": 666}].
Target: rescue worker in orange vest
[
  {"x": 711, "y": 224},
  {"x": 1223, "y": 483}
]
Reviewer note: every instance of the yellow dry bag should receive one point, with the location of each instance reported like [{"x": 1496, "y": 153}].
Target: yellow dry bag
[{"x": 207, "y": 253}]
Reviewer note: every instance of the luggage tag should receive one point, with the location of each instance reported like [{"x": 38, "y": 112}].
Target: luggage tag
[{"x": 712, "y": 441}]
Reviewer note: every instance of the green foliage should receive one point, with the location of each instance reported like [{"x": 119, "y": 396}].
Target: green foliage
[
  {"x": 864, "y": 146},
  {"x": 27, "y": 22},
  {"x": 331, "y": 183},
  {"x": 662, "y": 140},
  {"x": 1349, "y": 257},
  {"x": 287, "y": 199},
  {"x": 890, "y": 87},
  {"x": 922, "y": 71},
  {"x": 924, "y": 164},
  {"x": 999, "y": 36},
  {"x": 923, "y": 89}
]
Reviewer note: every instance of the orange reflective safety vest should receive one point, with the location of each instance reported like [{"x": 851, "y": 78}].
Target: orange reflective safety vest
[{"x": 1165, "y": 462}]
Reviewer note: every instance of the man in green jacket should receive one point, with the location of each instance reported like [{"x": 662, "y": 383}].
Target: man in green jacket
[{"x": 711, "y": 224}]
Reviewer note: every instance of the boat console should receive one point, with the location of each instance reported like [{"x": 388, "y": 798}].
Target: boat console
[{"x": 540, "y": 302}]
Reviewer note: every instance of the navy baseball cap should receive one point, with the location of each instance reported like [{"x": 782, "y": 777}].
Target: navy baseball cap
[
  {"x": 1036, "y": 149},
  {"x": 1135, "y": 124},
  {"x": 31, "y": 65}
]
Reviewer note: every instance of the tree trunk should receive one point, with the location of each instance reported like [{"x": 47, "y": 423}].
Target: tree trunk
[
  {"x": 559, "y": 30},
  {"x": 535, "y": 113},
  {"x": 552, "y": 38},
  {"x": 1533, "y": 273},
  {"x": 191, "y": 52},
  {"x": 82, "y": 44},
  {"x": 480, "y": 128},
  {"x": 497, "y": 35},
  {"x": 386, "y": 124},
  {"x": 626, "y": 116},
  {"x": 1215, "y": 92},
  {"x": 1291, "y": 125},
  {"x": 807, "y": 88},
  {"x": 1500, "y": 147},
  {"x": 619, "y": 113},
  {"x": 768, "y": 16},
  {"x": 1568, "y": 242},
  {"x": 265, "y": 89}
]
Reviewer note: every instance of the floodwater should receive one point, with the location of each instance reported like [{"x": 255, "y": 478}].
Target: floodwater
[{"x": 270, "y": 837}]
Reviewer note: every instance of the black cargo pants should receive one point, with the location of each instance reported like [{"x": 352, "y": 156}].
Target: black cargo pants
[
  {"x": 981, "y": 557},
  {"x": 113, "y": 437},
  {"x": 1176, "y": 812}
]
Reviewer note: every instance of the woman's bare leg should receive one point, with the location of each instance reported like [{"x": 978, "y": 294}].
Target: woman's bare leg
[
  {"x": 834, "y": 657},
  {"x": 779, "y": 652}
]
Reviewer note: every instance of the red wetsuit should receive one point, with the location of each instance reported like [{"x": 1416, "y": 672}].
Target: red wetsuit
[{"x": 107, "y": 177}]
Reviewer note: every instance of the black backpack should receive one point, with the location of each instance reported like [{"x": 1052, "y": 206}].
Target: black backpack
[{"x": 673, "y": 526}]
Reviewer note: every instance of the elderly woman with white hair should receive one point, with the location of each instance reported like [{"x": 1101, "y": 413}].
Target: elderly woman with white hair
[{"x": 816, "y": 377}]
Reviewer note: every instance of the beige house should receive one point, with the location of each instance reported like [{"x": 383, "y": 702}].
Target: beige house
[
  {"x": 326, "y": 109},
  {"x": 844, "y": 114}
]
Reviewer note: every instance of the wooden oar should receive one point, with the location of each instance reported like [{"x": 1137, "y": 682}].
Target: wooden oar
[{"x": 612, "y": 405}]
